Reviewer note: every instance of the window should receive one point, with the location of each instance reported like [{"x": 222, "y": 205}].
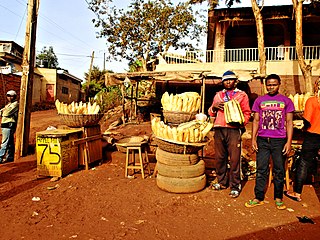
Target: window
[{"x": 65, "y": 90}]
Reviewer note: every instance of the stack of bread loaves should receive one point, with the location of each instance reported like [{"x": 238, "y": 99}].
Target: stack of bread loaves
[
  {"x": 180, "y": 170},
  {"x": 184, "y": 102},
  {"x": 189, "y": 132},
  {"x": 299, "y": 100},
  {"x": 77, "y": 108}
]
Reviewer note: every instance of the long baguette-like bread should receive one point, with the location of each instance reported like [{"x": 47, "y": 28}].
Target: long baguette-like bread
[
  {"x": 296, "y": 101},
  {"x": 179, "y": 104},
  {"x": 180, "y": 135}
]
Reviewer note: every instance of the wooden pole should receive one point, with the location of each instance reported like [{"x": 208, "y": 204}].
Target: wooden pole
[
  {"x": 203, "y": 95},
  {"x": 89, "y": 77},
  {"x": 136, "y": 101},
  {"x": 28, "y": 62},
  {"x": 131, "y": 103},
  {"x": 123, "y": 104}
]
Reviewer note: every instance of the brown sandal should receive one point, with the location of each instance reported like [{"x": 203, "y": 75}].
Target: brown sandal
[{"x": 292, "y": 196}]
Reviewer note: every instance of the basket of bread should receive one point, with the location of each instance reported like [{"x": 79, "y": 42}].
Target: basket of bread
[
  {"x": 299, "y": 101},
  {"x": 187, "y": 137},
  {"x": 79, "y": 114},
  {"x": 180, "y": 108}
]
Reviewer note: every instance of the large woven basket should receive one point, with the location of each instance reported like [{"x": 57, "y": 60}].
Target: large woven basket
[
  {"x": 178, "y": 117},
  {"x": 80, "y": 120},
  {"x": 172, "y": 147},
  {"x": 123, "y": 143}
]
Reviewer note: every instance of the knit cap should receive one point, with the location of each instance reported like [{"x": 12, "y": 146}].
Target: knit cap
[
  {"x": 229, "y": 75},
  {"x": 11, "y": 93}
]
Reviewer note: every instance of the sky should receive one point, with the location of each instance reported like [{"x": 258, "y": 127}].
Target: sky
[{"x": 66, "y": 26}]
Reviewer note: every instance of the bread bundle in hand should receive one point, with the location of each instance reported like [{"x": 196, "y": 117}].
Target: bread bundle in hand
[
  {"x": 189, "y": 132},
  {"x": 77, "y": 108},
  {"x": 299, "y": 100},
  {"x": 184, "y": 102}
]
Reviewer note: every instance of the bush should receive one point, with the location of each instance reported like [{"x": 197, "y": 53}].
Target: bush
[{"x": 109, "y": 98}]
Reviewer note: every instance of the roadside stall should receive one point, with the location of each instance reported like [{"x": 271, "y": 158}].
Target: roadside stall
[
  {"x": 60, "y": 151},
  {"x": 179, "y": 134}
]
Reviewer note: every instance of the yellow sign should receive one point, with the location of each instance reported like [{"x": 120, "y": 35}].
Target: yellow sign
[{"x": 49, "y": 156}]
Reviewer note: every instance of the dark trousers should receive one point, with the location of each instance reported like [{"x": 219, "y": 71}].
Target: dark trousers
[
  {"x": 310, "y": 147},
  {"x": 270, "y": 147},
  {"x": 228, "y": 145}
]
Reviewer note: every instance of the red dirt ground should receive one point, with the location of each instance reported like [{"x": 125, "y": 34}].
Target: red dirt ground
[{"x": 102, "y": 204}]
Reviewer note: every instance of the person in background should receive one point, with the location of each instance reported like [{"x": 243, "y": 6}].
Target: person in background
[
  {"x": 274, "y": 140},
  {"x": 9, "y": 118},
  {"x": 310, "y": 145},
  {"x": 227, "y": 137}
]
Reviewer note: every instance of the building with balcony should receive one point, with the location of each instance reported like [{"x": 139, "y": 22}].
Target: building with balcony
[{"x": 232, "y": 44}]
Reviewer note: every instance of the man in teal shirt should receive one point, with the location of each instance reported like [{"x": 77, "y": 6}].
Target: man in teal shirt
[{"x": 9, "y": 116}]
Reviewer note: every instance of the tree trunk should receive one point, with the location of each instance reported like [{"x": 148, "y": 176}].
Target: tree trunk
[
  {"x": 305, "y": 68},
  {"x": 260, "y": 36},
  {"x": 144, "y": 65}
]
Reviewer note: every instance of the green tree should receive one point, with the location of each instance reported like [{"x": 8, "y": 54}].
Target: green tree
[
  {"x": 47, "y": 58},
  {"x": 146, "y": 28},
  {"x": 96, "y": 81}
]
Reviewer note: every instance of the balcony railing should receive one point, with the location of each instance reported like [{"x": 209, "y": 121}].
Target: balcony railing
[{"x": 243, "y": 55}]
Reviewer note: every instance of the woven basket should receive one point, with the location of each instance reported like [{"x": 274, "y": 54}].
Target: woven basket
[
  {"x": 178, "y": 117},
  {"x": 178, "y": 148},
  {"x": 80, "y": 120},
  {"x": 127, "y": 141}
]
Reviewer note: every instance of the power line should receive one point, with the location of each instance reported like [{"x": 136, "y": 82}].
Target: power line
[
  {"x": 72, "y": 55},
  {"x": 10, "y": 10},
  {"x": 49, "y": 21},
  {"x": 97, "y": 15},
  {"x": 21, "y": 22},
  {"x": 63, "y": 30},
  {"x": 21, "y": 2}
]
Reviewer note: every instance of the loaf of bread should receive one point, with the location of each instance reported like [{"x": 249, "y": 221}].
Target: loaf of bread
[
  {"x": 77, "y": 108},
  {"x": 190, "y": 132},
  {"x": 299, "y": 100},
  {"x": 184, "y": 102}
]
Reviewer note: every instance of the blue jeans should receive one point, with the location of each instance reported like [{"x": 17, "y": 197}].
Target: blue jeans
[
  {"x": 7, "y": 145},
  {"x": 310, "y": 147},
  {"x": 270, "y": 147}
]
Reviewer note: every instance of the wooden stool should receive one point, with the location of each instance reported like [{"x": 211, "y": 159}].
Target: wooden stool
[
  {"x": 287, "y": 166},
  {"x": 142, "y": 163}
]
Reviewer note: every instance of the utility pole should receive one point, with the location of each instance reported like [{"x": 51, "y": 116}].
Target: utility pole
[
  {"x": 28, "y": 62},
  {"x": 89, "y": 77}
]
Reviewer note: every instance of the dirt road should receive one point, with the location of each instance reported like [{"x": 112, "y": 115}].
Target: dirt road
[{"x": 102, "y": 204}]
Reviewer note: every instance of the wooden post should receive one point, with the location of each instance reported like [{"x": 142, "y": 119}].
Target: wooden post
[
  {"x": 136, "y": 101},
  {"x": 131, "y": 103},
  {"x": 123, "y": 104},
  {"x": 28, "y": 62},
  {"x": 89, "y": 77},
  {"x": 203, "y": 95}
]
